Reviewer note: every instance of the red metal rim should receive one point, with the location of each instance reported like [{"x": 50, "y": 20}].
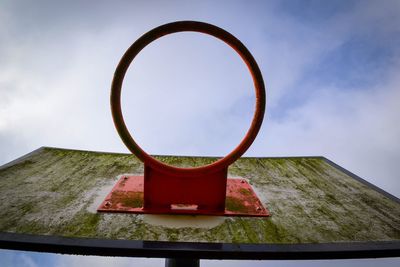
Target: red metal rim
[{"x": 182, "y": 26}]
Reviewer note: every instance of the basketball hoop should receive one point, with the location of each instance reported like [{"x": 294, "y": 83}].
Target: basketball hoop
[{"x": 162, "y": 182}]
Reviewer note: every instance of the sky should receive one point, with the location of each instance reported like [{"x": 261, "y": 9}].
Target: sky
[{"x": 330, "y": 69}]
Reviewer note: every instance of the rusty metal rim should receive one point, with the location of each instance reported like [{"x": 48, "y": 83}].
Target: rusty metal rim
[{"x": 175, "y": 27}]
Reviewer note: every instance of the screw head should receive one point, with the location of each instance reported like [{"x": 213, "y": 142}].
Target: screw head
[
  {"x": 107, "y": 204},
  {"x": 242, "y": 181}
]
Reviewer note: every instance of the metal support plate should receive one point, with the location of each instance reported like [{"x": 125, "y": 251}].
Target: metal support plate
[{"x": 127, "y": 196}]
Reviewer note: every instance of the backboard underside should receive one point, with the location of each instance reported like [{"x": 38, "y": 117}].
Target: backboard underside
[{"x": 50, "y": 196}]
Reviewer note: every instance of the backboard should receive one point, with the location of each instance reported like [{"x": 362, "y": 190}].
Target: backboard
[{"x": 319, "y": 210}]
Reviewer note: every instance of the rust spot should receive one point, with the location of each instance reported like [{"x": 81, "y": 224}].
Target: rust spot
[
  {"x": 245, "y": 192},
  {"x": 127, "y": 199},
  {"x": 235, "y": 204}
]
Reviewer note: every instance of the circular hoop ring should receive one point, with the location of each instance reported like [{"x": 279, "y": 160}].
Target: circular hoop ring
[{"x": 182, "y": 26}]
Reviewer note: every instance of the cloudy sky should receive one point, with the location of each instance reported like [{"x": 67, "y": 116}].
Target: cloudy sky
[{"x": 330, "y": 68}]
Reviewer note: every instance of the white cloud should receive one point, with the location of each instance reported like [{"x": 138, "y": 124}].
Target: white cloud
[
  {"x": 355, "y": 128},
  {"x": 288, "y": 263},
  {"x": 77, "y": 261},
  {"x": 10, "y": 259}
]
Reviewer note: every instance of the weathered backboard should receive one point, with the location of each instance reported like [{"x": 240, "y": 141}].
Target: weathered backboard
[{"x": 319, "y": 210}]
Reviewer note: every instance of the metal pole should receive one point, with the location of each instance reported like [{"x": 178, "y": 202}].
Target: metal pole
[{"x": 179, "y": 262}]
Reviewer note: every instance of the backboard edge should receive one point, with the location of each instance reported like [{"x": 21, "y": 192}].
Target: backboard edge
[{"x": 163, "y": 249}]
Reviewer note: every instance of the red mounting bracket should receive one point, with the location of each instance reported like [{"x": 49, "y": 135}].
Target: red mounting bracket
[
  {"x": 169, "y": 189},
  {"x": 127, "y": 197}
]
